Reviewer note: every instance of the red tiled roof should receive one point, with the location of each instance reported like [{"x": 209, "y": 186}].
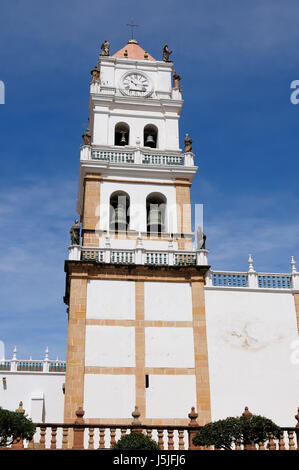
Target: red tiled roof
[{"x": 134, "y": 51}]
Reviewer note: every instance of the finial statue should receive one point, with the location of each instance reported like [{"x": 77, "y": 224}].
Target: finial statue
[
  {"x": 166, "y": 54},
  {"x": 201, "y": 239},
  {"x": 105, "y": 48},
  {"x": 75, "y": 233},
  {"x": 188, "y": 143},
  {"x": 176, "y": 79},
  {"x": 95, "y": 74},
  {"x": 86, "y": 137}
]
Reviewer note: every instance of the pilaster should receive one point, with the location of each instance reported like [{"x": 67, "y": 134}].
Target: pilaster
[{"x": 74, "y": 380}]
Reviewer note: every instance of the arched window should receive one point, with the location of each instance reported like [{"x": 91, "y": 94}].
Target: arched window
[
  {"x": 121, "y": 134},
  {"x": 156, "y": 213},
  {"x": 150, "y": 136},
  {"x": 119, "y": 211}
]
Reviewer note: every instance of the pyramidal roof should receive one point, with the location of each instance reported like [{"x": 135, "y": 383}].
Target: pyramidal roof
[{"x": 132, "y": 50}]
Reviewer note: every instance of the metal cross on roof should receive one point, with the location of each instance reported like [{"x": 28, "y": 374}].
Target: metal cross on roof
[{"x": 132, "y": 26}]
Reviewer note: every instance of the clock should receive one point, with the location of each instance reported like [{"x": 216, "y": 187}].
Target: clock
[{"x": 135, "y": 84}]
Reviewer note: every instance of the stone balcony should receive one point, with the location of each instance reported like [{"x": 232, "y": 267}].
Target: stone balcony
[
  {"x": 136, "y": 156},
  {"x": 139, "y": 255}
]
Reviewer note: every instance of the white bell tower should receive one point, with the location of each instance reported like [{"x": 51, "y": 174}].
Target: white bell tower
[{"x": 137, "y": 333}]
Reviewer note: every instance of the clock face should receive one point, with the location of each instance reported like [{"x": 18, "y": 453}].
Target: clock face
[{"x": 135, "y": 84}]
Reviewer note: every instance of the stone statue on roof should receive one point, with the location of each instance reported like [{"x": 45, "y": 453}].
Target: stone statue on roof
[
  {"x": 87, "y": 137},
  {"x": 105, "y": 48},
  {"x": 188, "y": 143},
  {"x": 201, "y": 239},
  {"x": 95, "y": 74},
  {"x": 176, "y": 79},
  {"x": 166, "y": 54},
  {"x": 75, "y": 233}
]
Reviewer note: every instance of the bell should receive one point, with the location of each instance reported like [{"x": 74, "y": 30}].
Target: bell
[
  {"x": 119, "y": 218},
  {"x": 150, "y": 141},
  {"x": 123, "y": 139},
  {"x": 154, "y": 220}
]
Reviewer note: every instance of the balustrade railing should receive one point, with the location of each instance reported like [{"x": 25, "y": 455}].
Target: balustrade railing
[
  {"x": 80, "y": 435},
  {"x": 140, "y": 156},
  {"x": 139, "y": 256},
  {"x": 222, "y": 279},
  {"x": 274, "y": 281},
  {"x": 250, "y": 280},
  {"x": 156, "y": 159},
  {"x": 42, "y": 366}
]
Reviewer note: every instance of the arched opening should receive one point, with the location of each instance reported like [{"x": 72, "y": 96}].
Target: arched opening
[
  {"x": 121, "y": 134},
  {"x": 155, "y": 213},
  {"x": 119, "y": 211},
  {"x": 150, "y": 136}
]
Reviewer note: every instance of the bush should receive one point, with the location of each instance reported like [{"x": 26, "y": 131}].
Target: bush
[
  {"x": 136, "y": 440},
  {"x": 14, "y": 425},
  {"x": 247, "y": 430}
]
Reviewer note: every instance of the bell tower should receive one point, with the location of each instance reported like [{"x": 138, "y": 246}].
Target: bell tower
[{"x": 134, "y": 282}]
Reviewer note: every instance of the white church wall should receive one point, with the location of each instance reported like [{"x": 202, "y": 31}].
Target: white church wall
[
  {"x": 109, "y": 396},
  {"x": 138, "y": 204},
  {"x": 29, "y": 388},
  {"x": 100, "y": 126},
  {"x": 110, "y": 346},
  {"x": 131, "y": 244},
  {"x": 249, "y": 344},
  {"x": 102, "y": 301},
  {"x": 169, "y": 347},
  {"x": 170, "y": 301},
  {"x": 170, "y": 396}
]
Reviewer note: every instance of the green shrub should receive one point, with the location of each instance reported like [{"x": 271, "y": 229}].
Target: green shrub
[
  {"x": 136, "y": 440},
  {"x": 246, "y": 430},
  {"x": 14, "y": 425}
]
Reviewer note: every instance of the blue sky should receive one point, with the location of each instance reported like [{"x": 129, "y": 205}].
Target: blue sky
[{"x": 237, "y": 60}]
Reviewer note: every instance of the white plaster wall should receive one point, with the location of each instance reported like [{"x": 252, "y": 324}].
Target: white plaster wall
[
  {"x": 109, "y": 396},
  {"x": 170, "y": 396},
  {"x": 110, "y": 300},
  {"x": 169, "y": 347},
  {"x": 100, "y": 126},
  {"x": 249, "y": 338},
  {"x": 111, "y": 73},
  {"x": 22, "y": 386},
  {"x": 138, "y": 194},
  {"x": 131, "y": 244},
  {"x": 168, "y": 301},
  {"x": 110, "y": 346}
]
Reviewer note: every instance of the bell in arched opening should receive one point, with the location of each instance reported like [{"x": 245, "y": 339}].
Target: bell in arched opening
[
  {"x": 119, "y": 210},
  {"x": 154, "y": 219},
  {"x": 150, "y": 136},
  {"x": 121, "y": 134},
  {"x": 155, "y": 213}
]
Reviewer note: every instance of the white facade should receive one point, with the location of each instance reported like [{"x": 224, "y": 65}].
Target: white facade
[
  {"x": 253, "y": 350},
  {"x": 250, "y": 338},
  {"x": 41, "y": 394},
  {"x": 162, "y": 110}
]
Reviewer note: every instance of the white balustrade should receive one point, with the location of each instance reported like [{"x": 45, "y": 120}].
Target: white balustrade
[
  {"x": 139, "y": 255},
  {"x": 41, "y": 366},
  {"x": 137, "y": 156}
]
